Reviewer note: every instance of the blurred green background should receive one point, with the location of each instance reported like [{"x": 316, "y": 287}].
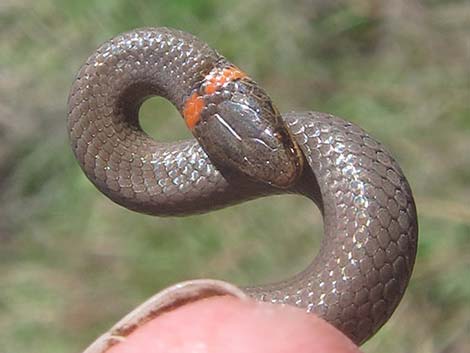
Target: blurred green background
[{"x": 72, "y": 262}]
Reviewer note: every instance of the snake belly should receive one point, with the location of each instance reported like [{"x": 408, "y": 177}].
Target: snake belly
[{"x": 370, "y": 224}]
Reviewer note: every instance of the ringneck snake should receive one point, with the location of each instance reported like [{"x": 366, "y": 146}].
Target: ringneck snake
[{"x": 245, "y": 149}]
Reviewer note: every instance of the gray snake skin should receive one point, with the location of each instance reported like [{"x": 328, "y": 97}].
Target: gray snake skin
[{"x": 370, "y": 224}]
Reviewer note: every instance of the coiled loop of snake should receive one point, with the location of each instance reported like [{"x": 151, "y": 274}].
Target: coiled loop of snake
[{"x": 369, "y": 246}]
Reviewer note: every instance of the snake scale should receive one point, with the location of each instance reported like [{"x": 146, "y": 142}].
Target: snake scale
[{"x": 245, "y": 149}]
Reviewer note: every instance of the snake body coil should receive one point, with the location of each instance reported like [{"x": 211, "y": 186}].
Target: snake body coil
[{"x": 370, "y": 225}]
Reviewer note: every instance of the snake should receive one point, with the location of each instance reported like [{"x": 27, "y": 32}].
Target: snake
[{"x": 243, "y": 149}]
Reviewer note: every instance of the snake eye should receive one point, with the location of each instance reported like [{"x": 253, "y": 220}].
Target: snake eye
[{"x": 281, "y": 135}]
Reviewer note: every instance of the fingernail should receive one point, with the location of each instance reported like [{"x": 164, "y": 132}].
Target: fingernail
[{"x": 167, "y": 300}]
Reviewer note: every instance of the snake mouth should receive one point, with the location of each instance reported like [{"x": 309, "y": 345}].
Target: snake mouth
[{"x": 294, "y": 155}]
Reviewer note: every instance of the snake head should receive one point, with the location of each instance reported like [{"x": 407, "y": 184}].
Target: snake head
[{"x": 242, "y": 131}]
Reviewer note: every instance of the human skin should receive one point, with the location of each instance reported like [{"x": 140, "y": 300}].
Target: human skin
[{"x": 230, "y": 325}]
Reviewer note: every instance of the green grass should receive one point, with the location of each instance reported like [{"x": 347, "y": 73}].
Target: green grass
[{"x": 400, "y": 69}]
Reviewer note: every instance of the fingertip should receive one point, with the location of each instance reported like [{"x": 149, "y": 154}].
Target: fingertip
[{"x": 230, "y": 325}]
